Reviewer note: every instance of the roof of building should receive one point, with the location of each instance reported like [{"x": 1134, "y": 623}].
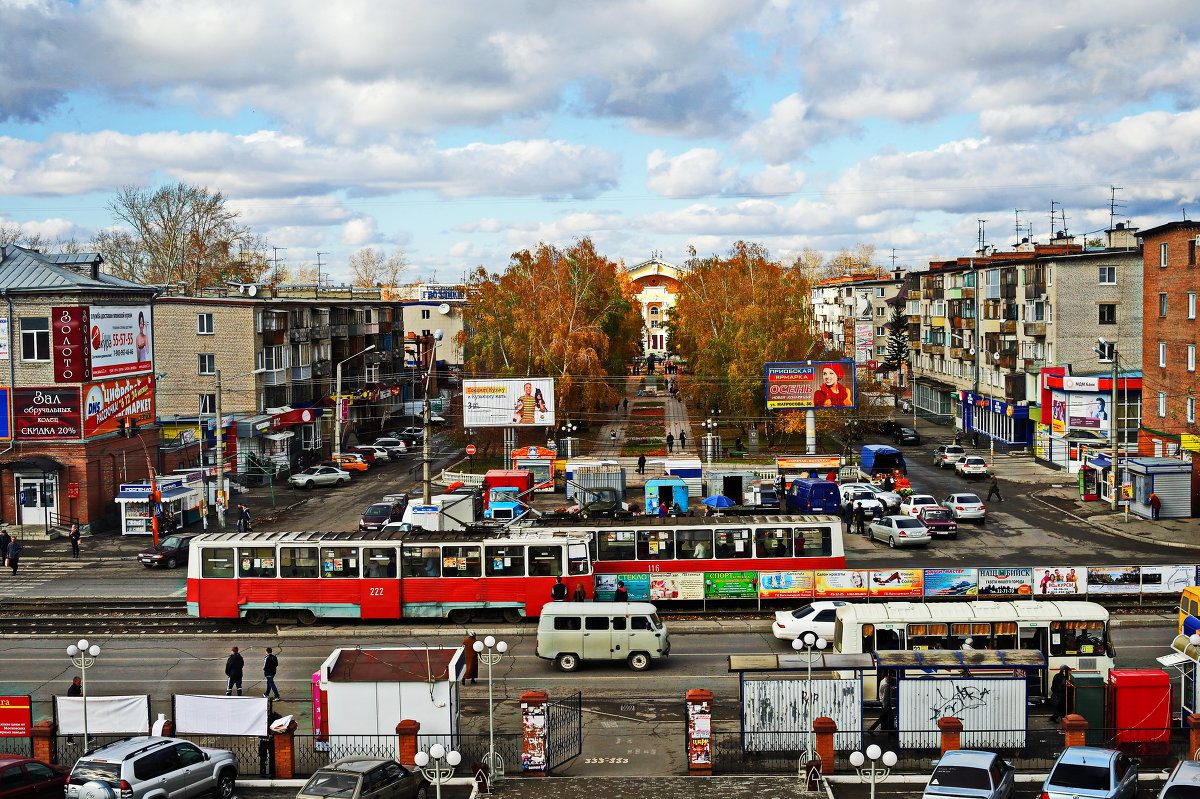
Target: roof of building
[
  {"x": 1169, "y": 227},
  {"x": 393, "y": 665},
  {"x": 23, "y": 269}
]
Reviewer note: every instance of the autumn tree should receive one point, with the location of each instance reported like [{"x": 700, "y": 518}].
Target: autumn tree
[
  {"x": 179, "y": 234},
  {"x": 858, "y": 261},
  {"x": 567, "y": 314},
  {"x": 371, "y": 267}
]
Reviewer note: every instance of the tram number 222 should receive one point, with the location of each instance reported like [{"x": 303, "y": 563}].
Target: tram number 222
[{"x": 375, "y": 592}]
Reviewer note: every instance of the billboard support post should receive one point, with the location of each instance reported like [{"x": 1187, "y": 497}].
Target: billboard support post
[{"x": 810, "y": 432}]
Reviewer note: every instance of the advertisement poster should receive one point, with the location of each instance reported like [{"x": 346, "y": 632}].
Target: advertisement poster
[
  {"x": 785, "y": 585},
  {"x": 840, "y": 583},
  {"x": 731, "y": 585},
  {"x": 897, "y": 583},
  {"x": 68, "y": 336},
  {"x": 105, "y": 404},
  {"x": 1060, "y": 580},
  {"x": 1087, "y": 411},
  {"x": 533, "y": 737},
  {"x": 809, "y": 462},
  {"x": 120, "y": 340},
  {"x": 638, "y": 586},
  {"x": 3, "y": 339},
  {"x": 508, "y": 403},
  {"x": 682, "y": 585},
  {"x": 16, "y": 716},
  {"x": 1114, "y": 580},
  {"x": 46, "y": 413},
  {"x": 1005, "y": 582},
  {"x": 1167, "y": 579},
  {"x": 817, "y": 384},
  {"x": 5, "y": 414},
  {"x": 951, "y": 582}
]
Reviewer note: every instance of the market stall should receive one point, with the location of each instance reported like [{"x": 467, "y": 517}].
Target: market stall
[{"x": 138, "y": 508}]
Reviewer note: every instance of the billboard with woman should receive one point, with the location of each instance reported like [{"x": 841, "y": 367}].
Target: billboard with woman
[{"x": 812, "y": 384}]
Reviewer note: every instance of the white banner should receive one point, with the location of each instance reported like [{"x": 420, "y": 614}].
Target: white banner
[
  {"x": 779, "y": 713},
  {"x": 121, "y": 340},
  {"x": 106, "y": 715},
  {"x": 220, "y": 715},
  {"x": 508, "y": 403},
  {"x": 992, "y": 711}
]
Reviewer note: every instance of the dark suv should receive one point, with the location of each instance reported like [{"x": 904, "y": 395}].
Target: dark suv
[{"x": 171, "y": 551}]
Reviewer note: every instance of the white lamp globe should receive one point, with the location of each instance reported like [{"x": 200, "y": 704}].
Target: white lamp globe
[
  {"x": 421, "y": 759},
  {"x": 1195, "y": 639},
  {"x": 437, "y": 751},
  {"x": 453, "y": 758},
  {"x": 797, "y": 644},
  {"x": 72, "y": 650},
  {"x": 478, "y": 646},
  {"x": 490, "y": 641},
  {"x": 822, "y": 643},
  {"x": 857, "y": 759},
  {"x": 889, "y": 759},
  {"x": 873, "y": 751},
  {"x": 502, "y": 647},
  {"x": 93, "y": 650},
  {"x": 83, "y": 644}
]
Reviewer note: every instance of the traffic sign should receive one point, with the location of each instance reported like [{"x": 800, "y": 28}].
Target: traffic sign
[{"x": 470, "y": 449}]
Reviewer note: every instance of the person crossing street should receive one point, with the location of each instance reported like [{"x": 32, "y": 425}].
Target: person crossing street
[{"x": 993, "y": 488}]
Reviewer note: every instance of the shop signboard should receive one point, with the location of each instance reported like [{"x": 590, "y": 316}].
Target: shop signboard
[
  {"x": 1114, "y": 580},
  {"x": 3, "y": 339},
  {"x": 1060, "y": 580},
  {"x": 809, "y": 462},
  {"x": 48, "y": 413},
  {"x": 812, "y": 384},
  {"x": 1006, "y": 582},
  {"x": 951, "y": 582},
  {"x": 638, "y": 586},
  {"x": 731, "y": 585},
  {"x": 6, "y": 432},
  {"x": 508, "y": 403},
  {"x": 677, "y": 585},
  {"x": 108, "y": 402},
  {"x": 785, "y": 585},
  {"x": 16, "y": 717},
  {"x": 891, "y": 583},
  {"x": 840, "y": 584},
  {"x": 68, "y": 335},
  {"x": 121, "y": 341}
]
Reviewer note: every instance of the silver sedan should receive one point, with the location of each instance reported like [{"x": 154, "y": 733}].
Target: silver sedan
[
  {"x": 320, "y": 476},
  {"x": 966, "y": 506},
  {"x": 900, "y": 531}
]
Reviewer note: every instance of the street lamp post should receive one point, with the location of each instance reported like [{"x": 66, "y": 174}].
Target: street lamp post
[
  {"x": 710, "y": 425},
  {"x": 495, "y": 650},
  {"x": 83, "y": 656},
  {"x": 437, "y": 765},
  {"x": 566, "y": 429},
  {"x": 1105, "y": 348},
  {"x": 337, "y": 417},
  {"x": 811, "y": 645},
  {"x": 427, "y": 419},
  {"x": 873, "y": 774}
]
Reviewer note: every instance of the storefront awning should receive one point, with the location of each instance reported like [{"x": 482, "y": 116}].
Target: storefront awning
[
  {"x": 33, "y": 463},
  {"x": 280, "y": 436},
  {"x": 1100, "y": 462},
  {"x": 142, "y": 496},
  {"x": 253, "y": 425}
]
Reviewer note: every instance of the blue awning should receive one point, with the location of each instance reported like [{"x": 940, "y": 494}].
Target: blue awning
[{"x": 1100, "y": 462}]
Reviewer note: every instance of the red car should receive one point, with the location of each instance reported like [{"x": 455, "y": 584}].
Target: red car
[
  {"x": 26, "y": 778},
  {"x": 939, "y": 520}
]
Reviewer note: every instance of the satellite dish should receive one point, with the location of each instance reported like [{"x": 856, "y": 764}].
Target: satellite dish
[
  {"x": 972, "y": 350},
  {"x": 995, "y": 356},
  {"x": 444, "y": 308},
  {"x": 251, "y": 291}
]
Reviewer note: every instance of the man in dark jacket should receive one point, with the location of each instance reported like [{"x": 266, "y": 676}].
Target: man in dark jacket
[
  {"x": 641, "y": 469},
  {"x": 234, "y": 665},
  {"x": 1058, "y": 693},
  {"x": 270, "y": 668},
  {"x": 860, "y": 518},
  {"x": 558, "y": 592}
]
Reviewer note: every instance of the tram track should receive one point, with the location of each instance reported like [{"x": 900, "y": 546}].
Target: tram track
[{"x": 42, "y": 617}]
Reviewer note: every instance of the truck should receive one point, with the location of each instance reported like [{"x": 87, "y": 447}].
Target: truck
[
  {"x": 878, "y": 458},
  {"x": 505, "y": 493},
  {"x": 444, "y": 512}
]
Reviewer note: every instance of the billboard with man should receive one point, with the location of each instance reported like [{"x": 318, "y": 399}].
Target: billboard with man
[
  {"x": 812, "y": 384},
  {"x": 508, "y": 403}
]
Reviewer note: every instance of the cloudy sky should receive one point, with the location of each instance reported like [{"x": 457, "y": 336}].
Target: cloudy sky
[{"x": 462, "y": 131}]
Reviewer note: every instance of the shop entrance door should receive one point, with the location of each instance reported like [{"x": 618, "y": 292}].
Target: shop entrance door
[{"x": 37, "y": 498}]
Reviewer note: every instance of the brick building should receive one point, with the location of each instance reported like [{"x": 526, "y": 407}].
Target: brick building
[{"x": 78, "y": 347}]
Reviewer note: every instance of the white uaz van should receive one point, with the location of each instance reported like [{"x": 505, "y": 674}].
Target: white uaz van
[{"x": 569, "y": 632}]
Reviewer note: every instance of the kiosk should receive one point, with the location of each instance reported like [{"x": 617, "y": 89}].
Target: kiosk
[
  {"x": 138, "y": 509},
  {"x": 540, "y": 461}
]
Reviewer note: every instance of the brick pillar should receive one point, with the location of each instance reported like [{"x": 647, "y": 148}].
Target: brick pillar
[
  {"x": 951, "y": 733},
  {"x": 406, "y": 742},
  {"x": 1193, "y": 722},
  {"x": 285, "y": 752},
  {"x": 824, "y": 728},
  {"x": 1074, "y": 728},
  {"x": 699, "y": 704},
  {"x": 43, "y": 741},
  {"x": 533, "y": 733}
]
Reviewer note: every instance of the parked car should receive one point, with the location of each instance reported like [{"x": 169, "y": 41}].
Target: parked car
[
  {"x": 1183, "y": 782},
  {"x": 370, "y": 457},
  {"x": 815, "y": 617},
  {"x": 855, "y": 495},
  {"x": 891, "y": 500},
  {"x": 416, "y": 432},
  {"x": 171, "y": 551},
  {"x": 967, "y": 774},
  {"x": 26, "y": 778},
  {"x": 971, "y": 466},
  {"x": 1092, "y": 772},
  {"x": 395, "y": 446},
  {"x": 378, "y": 454},
  {"x": 899, "y": 531},
  {"x": 966, "y": 506},
  {"x": 946, "y": 454},
  {"x": 320, "y": 476},
  {"x": 940, "y": 521},
  {"x": 906, "y": 435},
  {"x": 348, "y": 462},
  {"x": 134, "y": 768},
  {"x": 362, "y": 777},
  {"x": 768, "y": 499},
  {"x": 912, "y": 504},
  {"x": 379, "y": 514}
]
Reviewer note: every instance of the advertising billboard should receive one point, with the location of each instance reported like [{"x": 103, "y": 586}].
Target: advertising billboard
[
  {"x": 68, "y": 334},
  {"x": 6, "y": 432},
  {"x": 41, "y": 414},
  {"x": 812, "y": 384},
  {"x": 508, "y": 403},
  {"x": 120, "y": 340},
  {"x": 107, "y": 402}
]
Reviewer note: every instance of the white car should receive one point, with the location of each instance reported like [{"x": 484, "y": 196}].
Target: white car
[
  {"x": 320, "y": 476},
  {"x": 900, "y": 531},
  {"x": 946, "y": 454},
  {"x": 381, "y": 453},
  {"x": 395, "y": 446},
  {"x": 888, "y": 498},
  {"x": 971, "y": 466},
  {"x": 853, "y": 496},
  {"x": 816, "y": 617},
  {"x": 912, "y": 505},
  {"x": 965, "y": 506}
]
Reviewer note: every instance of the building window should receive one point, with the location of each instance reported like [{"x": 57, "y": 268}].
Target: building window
[
  {"x": 1162, "y": 403},
  {"x": 1191, "y": 305},
  {"x": 207, "y": 363},
  {"x": 1191, "y": 409},
  {"x": 1162, "y": 304},
  {"x": 1162, "y": 353},
  {"x": 1108, "y": 313},
  {"x": 879, "y": 292},
  {"x": 1108, "y": 276},
  {"x": 880, "y": 311},
  {"x": 204, "y": 324},
  {"x": 1191, "y": 252},
  {"x": 1191, "y": 357},
  {"x": 881, "y": 331},
  {"x": 1107, "y": 351},
  {"x": 208, "y": 404},
  {"x": 35, "y": 338},
  {"x": 1162, "y": 255},
  {"x": 424, "y": 313}
]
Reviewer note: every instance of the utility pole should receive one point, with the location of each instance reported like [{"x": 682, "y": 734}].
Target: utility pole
[
  {"x": 222, "y": 488},
  {"x": 427, "y": 420},
  {"x": 317, "y": 288},
  {"x": 275, "y": 263}
]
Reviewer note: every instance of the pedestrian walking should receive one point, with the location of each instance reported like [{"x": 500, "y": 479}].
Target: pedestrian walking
[
  {"x": 558, "y": 591},
  {"x": 5, "y": 539},
  {"x": 670, "y": 442},
  {"x": 12, "y": 555},
  {"x": 470, "y": 659},
  {"x": 860, "y": 518},
  {"x": 958, "y": 437},
  {"x": 74, "y": 536},
  {"x": 1155, "y": 506},
  {"x": 627, "y": 405},
  {"x": 621, "y": 594},
  {"x": 613, "y": 437},
  {"x": 243, "y": 520},
  {"x": 270, "y": 669},
  {"x": 234, "y": 665},
  {"x": 1058, "y": 693},
  {"x": 993, "y": 488},
  {"x": 266, "y": 748},
  {"x": 641, "y": 469},
  {"x": 737, "y": 444},
  {"x": 682, "y": 441},
  {"x": 885, "y": 704}
]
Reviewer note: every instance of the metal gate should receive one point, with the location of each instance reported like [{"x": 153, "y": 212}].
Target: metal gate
[{"x": 564, "y": 730}]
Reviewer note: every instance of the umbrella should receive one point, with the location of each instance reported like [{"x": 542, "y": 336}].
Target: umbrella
[{"x": 718, "y": 501}]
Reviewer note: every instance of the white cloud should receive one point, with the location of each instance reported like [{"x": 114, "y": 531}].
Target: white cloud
[
  {"x": 700, "y": 172},
  {"x": 360, "y": 232}
]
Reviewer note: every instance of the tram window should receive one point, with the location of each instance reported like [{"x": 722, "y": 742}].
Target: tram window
[
  {"x": 733, "y": 543},
  {"x": 694, "y": 543},
  {"x": 595, "y": 623},
  {"x": 813, "y": 542},
  {"x": 298, "y": 562},
  {"x": 655, "y": 545},
  {"x": 217, "y": 563},
  {"x": 421, "y": 561},
  {"x": 773, "y": 542},
  {"x": 379, "y": 563},
  {"x": 339, "y": 561},
  {"x": 577, "y": 559},
  {"x": 507, "y": 561},
  {"x": 256, "y": 561},
  {"x": 1076, "y": 638},
  {"x": 545, "y": 561},
  {"x": 460, "y": 562},
  {"x": 615, "y": 545}
]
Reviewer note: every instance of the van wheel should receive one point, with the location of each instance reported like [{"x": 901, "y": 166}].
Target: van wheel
[
  {"x": 639, "y": 661},
  {"x": 459, "y": 616},
  {"x": 567, "y": 662},
  {"x": 512, "y": 615}
]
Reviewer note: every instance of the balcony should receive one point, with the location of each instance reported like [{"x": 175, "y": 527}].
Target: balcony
[
  {"x": 1008, "y": 362},
  {"x": 339, "y": 331},
  {"x": 1008, "y": 327},
  {"x": 1035, "y": 329},
  {"x": 275, "y": 377},
  {"x": 319, "y": 331},
  {"x": 1032, "y": 366},
  {"x": 302, "y": 372},
  {"x": 1034, "y": 290},
  {"x": 958, "y": 353},
  {"x": 968, "y": 292},
  {"x": 297, "y": 334},
  {"x": 371, "y": 329},
  {"x": 355, "y": 330},
  {"x": 323, "y": 368}
]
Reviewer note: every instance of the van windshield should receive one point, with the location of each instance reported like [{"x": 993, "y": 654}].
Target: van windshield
[{"x": 656, "y": 621}]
